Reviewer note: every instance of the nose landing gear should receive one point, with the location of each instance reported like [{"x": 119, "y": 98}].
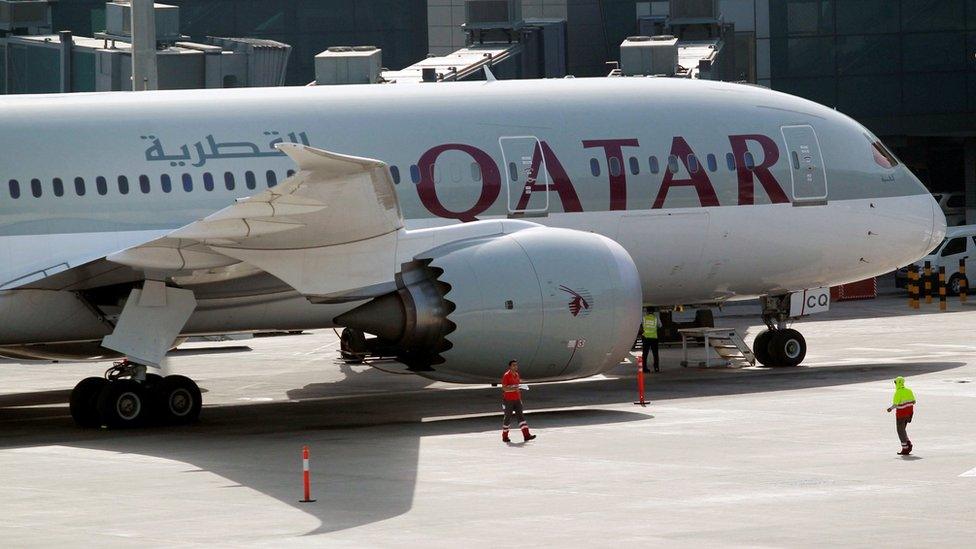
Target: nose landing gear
[
  {"x": 775, "y": 347},
  {"x": 129, "y": 397},
  {"x": 778, "y": 346}
]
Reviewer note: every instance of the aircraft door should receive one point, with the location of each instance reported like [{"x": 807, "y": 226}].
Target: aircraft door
[
  {"x": 526, "y": 175},
  {"x": 806, "y": 165}
]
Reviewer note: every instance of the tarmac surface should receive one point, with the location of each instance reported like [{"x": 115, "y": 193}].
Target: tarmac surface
[{"x": 722, "y": 457}]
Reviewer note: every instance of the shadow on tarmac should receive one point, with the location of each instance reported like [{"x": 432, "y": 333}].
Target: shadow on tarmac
[{"x": 365, "y": 448}]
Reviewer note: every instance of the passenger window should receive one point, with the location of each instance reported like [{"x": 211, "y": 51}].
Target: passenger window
[
  {"x": 748, "y": 161},
  {"x": 476, "y": 171},
  {"x": 415, "y": 173},
  {"x": 58, "y": 186},
  {"x": 208, "y": 183},
  {"x": 250, "y": 180},
  {"x": 80, "y": 186},
  {"x": 144, "y": 184},
  {"x": 653, "y": 165},
  {"x": 272, "y": 178},
  {"x": 36, "y": 188},
  {"x": 395, "y": 174},
  {"x": 693, "y": 163},
  {"x": 290, "y": 173},
  {"x": 101, "y": 185},
  {"x": 165, "y": 183},
  {"x": 123, "y": 184},
  {"x": 712, "y": 163},
  {"x": 229, "y": 181},
  {"x": 673, "y": 164},
  {"x": 634, "y": 166},
  {"x": 614, "y": 166},
  {"x": 730, "y": 160},
  {"x": 188, "y": 183},
  {"x": 595, "y": 167},
  {"x": 512, "y": 171},
  {"x": 954, "y": 246},
  {"x": 14, "y": 189}
]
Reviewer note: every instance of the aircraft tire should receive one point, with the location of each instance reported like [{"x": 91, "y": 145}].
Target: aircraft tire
[
  {"x": 787, "y": 348},
  {"x": 179, "y": 400},
  {"x": 352, "y": 345},
  {"x": 123, "y": 404},
  {"x": 760, "y": 347},
  {"x": 83, "y": 402}
]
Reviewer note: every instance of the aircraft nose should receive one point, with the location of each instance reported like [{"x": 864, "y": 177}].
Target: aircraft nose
[{"x": 938, "y": 225}]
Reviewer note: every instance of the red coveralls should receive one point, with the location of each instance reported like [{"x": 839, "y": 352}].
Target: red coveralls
[{"x": 513, "y": 404}]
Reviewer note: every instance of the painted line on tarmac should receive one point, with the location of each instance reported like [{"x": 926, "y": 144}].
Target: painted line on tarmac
[
  {"x": 876, "y": 350},
  {"x": 969, "y": 473},
  {"x": 947, "y": 345}
]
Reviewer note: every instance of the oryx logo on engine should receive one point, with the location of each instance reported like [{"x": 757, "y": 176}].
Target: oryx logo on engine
[{"x": 580, "y": 303}]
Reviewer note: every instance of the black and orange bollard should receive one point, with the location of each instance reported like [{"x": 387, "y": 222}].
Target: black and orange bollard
[
  {"x": 927, "y": 273},
  {"x": 913, "y": 287},
  {"x": 963, "y": 282},
  {"x": 918, "y": 288},
  {"x": 306, "y": 477},
  {"x": 943, "y": 305}
]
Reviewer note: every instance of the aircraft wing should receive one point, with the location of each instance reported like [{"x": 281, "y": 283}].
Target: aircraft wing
[{"x": 322, "y": 231}]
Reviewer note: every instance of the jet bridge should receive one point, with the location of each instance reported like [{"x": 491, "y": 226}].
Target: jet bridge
[{"x": 459, "y": 65}]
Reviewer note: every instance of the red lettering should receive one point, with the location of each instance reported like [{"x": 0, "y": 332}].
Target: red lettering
[
  {"x": 618, "y": 183},
  {"x": 490, "y": 182},
  {"x": 698, "y": 178},
  {"x": 560, "y": 181},
  {"x": 761, "y": 171}
]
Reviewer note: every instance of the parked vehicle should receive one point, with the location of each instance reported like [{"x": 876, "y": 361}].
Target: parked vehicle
[
  {"x": 953, "y": 205},
  {"x": 959, "y": 243}
]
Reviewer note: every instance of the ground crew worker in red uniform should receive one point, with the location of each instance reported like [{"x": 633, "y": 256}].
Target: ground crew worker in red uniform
[
  {"x": 903, "y": 402},
  {"x": 512, "y": 399}
]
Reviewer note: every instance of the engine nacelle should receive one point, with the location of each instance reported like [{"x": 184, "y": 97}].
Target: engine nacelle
[{"x": 565, "y": 303}]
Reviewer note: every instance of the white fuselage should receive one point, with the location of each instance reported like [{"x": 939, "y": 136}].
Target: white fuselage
[{"x": 718, "y": 191}]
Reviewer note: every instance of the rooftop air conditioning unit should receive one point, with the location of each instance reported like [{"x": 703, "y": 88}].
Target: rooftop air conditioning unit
[
  {"x": 492, "y": 14},
  {"x": 694, "y": 9},
  {"x": 118, "y": 21},
  {"x": 646, "y": 55}
]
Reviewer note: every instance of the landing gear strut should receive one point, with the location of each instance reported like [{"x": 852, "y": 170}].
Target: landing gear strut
[
  {"x": 778, "y": 345},
  {"x": 129, "y": 397}
]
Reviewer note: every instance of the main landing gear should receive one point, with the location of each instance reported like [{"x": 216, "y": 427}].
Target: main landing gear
[
  {"x": 778, "y": 345},
  {"x": 129, "y": 397}
]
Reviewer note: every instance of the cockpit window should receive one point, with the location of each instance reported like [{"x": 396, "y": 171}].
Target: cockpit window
[{"x": 882, "y": 156}]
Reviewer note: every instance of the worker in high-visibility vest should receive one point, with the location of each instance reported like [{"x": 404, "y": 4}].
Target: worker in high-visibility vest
[
  {"x": 649, "y": 339},
  {"x": 903, "y": 402}
]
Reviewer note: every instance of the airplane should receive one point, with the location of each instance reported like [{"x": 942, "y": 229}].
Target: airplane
[{"x": 459, "y": 224}]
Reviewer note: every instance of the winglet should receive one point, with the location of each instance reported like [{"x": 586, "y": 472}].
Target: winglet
[
  {"x": 489, "y": 76},
  {"x": 310, "y": 158}
]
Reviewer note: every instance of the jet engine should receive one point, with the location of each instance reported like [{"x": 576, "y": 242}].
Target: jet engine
[{"x": 565, "y": 303}]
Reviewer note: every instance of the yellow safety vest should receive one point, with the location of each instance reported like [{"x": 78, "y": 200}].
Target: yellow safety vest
[{"x": 650, "y": 326}]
